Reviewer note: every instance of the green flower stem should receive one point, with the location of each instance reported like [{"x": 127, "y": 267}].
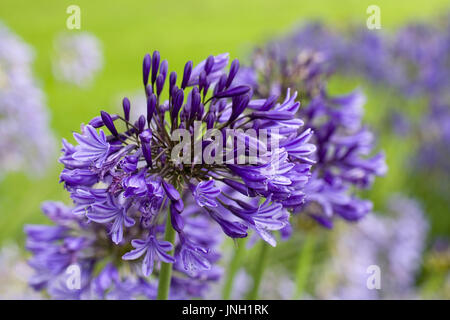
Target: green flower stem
[
  {"x": 233, "y": 267},
  {"x": 259, "y": 271},
  {"x": 165, "y": 274},
  {"x": 304, "y": 264}
]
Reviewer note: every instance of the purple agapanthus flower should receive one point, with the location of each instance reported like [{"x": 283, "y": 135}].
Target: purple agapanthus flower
[
  {"x": 112, "y": 211},
  {"x": 344, "y": 160},
  {"x": 194, "y": 257},
  {"x": 152, "y": 248},
  {"x": 128, "y": 184},
  {"x": 205, "y": 193},
  {"x": 92, "y": 147},
  {"x": 410, "y": 68}
]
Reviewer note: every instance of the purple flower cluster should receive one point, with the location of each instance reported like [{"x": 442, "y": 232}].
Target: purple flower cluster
[
  {"x": 126, "y": 185},
  {"x": 424, "y": 53},
  {"x": 412, "y": 64},
  {"x": 26, "y": 140},
  {"x": 344, "y": 161},
  {"x": 79, "y": 241},
  {"x": 393, "y": 242},
  {"x": 433, "y": 151},
  {"x": 414, "y": 60}
]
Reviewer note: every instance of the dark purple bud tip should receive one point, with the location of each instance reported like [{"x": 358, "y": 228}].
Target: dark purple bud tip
[
  {"x": 196, "y": 98},
  {"x": 233, "y": 92},
  {"x": 164, "y": 68},
  {"x": 126, "y": 108},
  {"x": 109, "y": 123},
  {"x": 155, "y": 64},
  {"x": 146, "y": 65},
  {"x": 151, "y": 107},
  {"x": 176, "y": 219},
  {"x": 171, "y": 192},
  {"x": 195, "y": 101},
  {"x": 233, "y": 71},
  {"x": 186, "y": 74},
  {"x": 270, "y": 102},
  {"x": 141, "y": 123},
  {"x": 220, "y": 84},
  {"x": 210, "y": 120},
  {"x": 146, "y": 136},
  {"x": 173, "y": 91},
  {"x": 172, "y": 81},
  {"x": 177, "y": 103},
  {"x": 159, "y": 84},
  {"x": 209, "y": 64},
  {"x": 148, "y": 90},
  {"x": 97, "y": 122},
  {"x": 202, "y": 80},
  {"x": 178, "y": 205}
]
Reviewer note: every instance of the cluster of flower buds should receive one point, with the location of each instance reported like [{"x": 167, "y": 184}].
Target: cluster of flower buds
[
  {"x": 344, "y": 161},
  {"x": 208, "y": 156}
]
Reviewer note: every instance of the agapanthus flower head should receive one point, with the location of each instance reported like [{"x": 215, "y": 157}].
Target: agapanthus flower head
[
  {"x": 425, "y": 66},
  {"x": 26, "y": 140},
  {"x": 344, "y": 160},
  {"x": 208, "y": 157},
  {"x": 77, "y": 58},
  {"x": 107, "y": 270},
  {"x": 409, "y": 66}
]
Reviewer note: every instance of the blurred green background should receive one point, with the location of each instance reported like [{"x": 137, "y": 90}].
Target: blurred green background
[{"x": 183, "y": 30}]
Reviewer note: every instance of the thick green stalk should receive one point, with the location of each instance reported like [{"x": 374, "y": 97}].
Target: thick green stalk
[
  {"x": 304, "y": 264},
  {"x": 165, "y": 274},
  {"x": 259, "y": 271},
  {"x": 233, "y": 267}
]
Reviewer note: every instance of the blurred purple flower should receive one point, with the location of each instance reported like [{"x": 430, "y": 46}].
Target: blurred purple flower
[{"x": 77, "y": 58}]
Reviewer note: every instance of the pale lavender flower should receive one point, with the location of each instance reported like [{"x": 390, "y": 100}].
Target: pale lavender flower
[
  {"x": 77, "y": 58},
  {"x": 14, "y": 274},
  {"x": 394, "y": 243},
  {"x": 152, "y": 248},
  {"x": 278, "y": 285},
  {"x": 26, "y": 139}
]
